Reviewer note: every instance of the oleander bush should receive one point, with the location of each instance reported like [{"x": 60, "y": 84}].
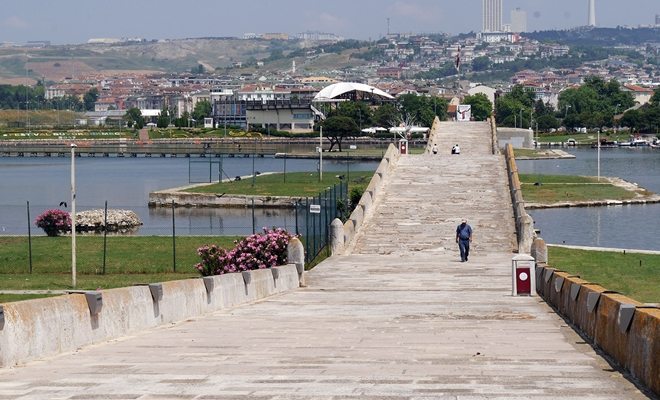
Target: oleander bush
[
  {"x": 258, "y": 251},
  {"x": 54, "y": 222}
]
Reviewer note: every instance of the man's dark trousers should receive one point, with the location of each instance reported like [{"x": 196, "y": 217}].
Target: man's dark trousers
[{"x": 464, "y": 246}]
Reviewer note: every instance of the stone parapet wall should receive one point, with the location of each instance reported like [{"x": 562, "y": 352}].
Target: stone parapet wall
[
  {"x": 40, "y": 328},
  {"x": 356, "y": 219},
  {"x": 493, "y": 132},
  {"x": 524, "y": 223},
  {"x": 626, "y": 330}
]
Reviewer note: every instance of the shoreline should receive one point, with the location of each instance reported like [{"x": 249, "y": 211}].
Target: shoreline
[
  {"x": 606, "y": 249},
  {"x": 641, "y": 199},
  {"x": 550, "y": 154}
]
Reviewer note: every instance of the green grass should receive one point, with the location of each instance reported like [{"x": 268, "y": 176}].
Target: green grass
[
  {"x": 559, "y": 188},
  {"x": 583, "y": 137},
  {"x": 129, "y": 260},
  {"x": 8, "y": 298},
  {"x": 528, "y": 153},
  {"x": 634, "y": 275},
  {"x": 297, "y": 184}
]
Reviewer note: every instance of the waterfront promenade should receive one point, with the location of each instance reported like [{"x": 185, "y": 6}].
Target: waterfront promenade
[{"x": 399, "y": 317}]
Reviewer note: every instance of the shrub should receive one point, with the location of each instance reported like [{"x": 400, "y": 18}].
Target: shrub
[
  {"x": 54, "y": 221},
  {"x": 355, "y": 195},
  {"x": 258, "y": 251}
]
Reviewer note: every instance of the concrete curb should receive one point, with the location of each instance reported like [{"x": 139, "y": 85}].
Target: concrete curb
[
  {"x": 39, "y": 328},
  {"x": 625, "y": 329}
]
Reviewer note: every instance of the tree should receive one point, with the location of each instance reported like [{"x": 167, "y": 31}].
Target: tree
[
  {"x": 514, "y": 108},
  {"x": 338, "y": 128},
  {"x": 203, "y": 109},
  {"x": 481, "y": 64},
  {"x": 356, "y": 110},
  {"x": 134, "y": 118},
  {"x": 422, "y": 109},
  {"x": 183, "y": 121},
  {"x": 163, "y": 120},
  {"x": 386, "y": 115},
  {"x": 481, "y": 106},
  {"x": 632, "y": 119},
  {"x": 89, "y": 99},
  {"x": 595, "y": 102},
  {"x": 547, "y": 122}
]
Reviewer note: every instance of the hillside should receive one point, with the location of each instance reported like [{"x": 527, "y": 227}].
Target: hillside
[{"x": 56, "y": 62}]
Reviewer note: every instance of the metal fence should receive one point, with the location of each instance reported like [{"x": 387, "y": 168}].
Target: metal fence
[
  {"x": 320, "y": 211},
  {"x": 309, "y": 218}
]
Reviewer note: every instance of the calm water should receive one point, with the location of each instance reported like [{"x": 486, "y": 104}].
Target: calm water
[
  {"x": 633, "y": 226},
  {"x": 126, "y": 182}
]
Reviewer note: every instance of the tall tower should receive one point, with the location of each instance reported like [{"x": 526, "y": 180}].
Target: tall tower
[
  {"x": 518, "y": 21},
  {"x": 592, "y": 12},
  {"x": 492, "y": 16}
]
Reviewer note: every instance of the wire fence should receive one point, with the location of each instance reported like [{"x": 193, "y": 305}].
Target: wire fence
[{"x": 174, "y": 246}]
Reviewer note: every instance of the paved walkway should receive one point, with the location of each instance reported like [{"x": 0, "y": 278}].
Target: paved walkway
[{"x": 400, "y": 318}]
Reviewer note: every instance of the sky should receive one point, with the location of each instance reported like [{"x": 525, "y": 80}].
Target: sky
[{"x": 76, "y": 21}]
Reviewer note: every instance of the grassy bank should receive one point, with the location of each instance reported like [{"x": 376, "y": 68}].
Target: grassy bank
[
  {"x": 583, "y": 138},
  {"x": 297, "y": 184},
  {"x": 547, "y": 189},
  {"x": 129, "y": 260},
  {"x": 634, "y": 275}
]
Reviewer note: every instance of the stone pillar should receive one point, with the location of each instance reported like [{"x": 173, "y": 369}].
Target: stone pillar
[
  {"x": 336, "y": 237},
  {"x": 296, "y": 255},
  {"x": 526, "y": 234},
  {"x": 540, "y": 251}
]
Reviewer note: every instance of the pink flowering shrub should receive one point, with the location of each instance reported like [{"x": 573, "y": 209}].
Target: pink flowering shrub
[
  {"x": 54, "y": 221},
  {"x": 258, "y": 251}
]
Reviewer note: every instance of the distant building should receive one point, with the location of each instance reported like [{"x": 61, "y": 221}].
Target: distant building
[
  {"x": 657, "y": 20},
  {"x": 486, "y": 90},
  {"x": 275, "y": 36},
  {"x": 641, "y": 95},
  {"x": 492, "y": 16},
  {"x": 318, "y": 79},
  {"x": 319, "y": 37},
  {"x": 389, "y": 72},
  {"x": 38, "y": 43},
  {"x": 497, "y": 37},
  {"x": 518, "y": 20},
  {"x": 104, "y": 41},
  {"x": 592, "y": 13}
]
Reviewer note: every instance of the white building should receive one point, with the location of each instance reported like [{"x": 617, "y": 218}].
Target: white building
[
  {"x": 518, "y": 20},
  {"x": 492, "y": 16}
]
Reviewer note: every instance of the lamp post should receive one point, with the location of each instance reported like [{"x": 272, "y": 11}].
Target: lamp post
[
  {"x": 73, "y": 215},
  {"x": 566, "y": 110},
  {"x": 521, "y": 120},
  {"x": 616, "y": 112},
  {"x": 320, "y": 153}
]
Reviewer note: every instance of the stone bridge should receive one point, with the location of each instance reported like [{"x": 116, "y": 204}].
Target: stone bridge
[{"x": 398, "y": 316}]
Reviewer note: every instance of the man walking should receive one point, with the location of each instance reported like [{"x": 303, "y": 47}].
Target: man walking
[{"x": 463, "y": 238}]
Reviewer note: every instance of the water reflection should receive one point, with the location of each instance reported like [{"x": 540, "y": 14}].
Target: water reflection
[{"x": 220, "y": 221}]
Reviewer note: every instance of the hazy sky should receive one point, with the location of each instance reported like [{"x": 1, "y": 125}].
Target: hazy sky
[{"x": 75, "y": 21}]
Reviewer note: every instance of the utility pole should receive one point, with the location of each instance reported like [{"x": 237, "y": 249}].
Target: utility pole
[
  {"x": 73, "y": 215},
  {"x": 321, "y": 154}
]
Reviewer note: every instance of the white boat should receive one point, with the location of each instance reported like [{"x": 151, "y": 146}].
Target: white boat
[{"x": 640, "y": 143}]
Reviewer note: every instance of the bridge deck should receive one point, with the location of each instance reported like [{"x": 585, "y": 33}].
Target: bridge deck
[{"x": 400, "y": 318}]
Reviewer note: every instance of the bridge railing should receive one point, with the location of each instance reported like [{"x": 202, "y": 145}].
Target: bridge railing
[
  {"x": 356, "y": 219},
  {"x": 434, "y": 128},
  {"x": 524, "y": 223},
  {"x": 493, "y": 134}
]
